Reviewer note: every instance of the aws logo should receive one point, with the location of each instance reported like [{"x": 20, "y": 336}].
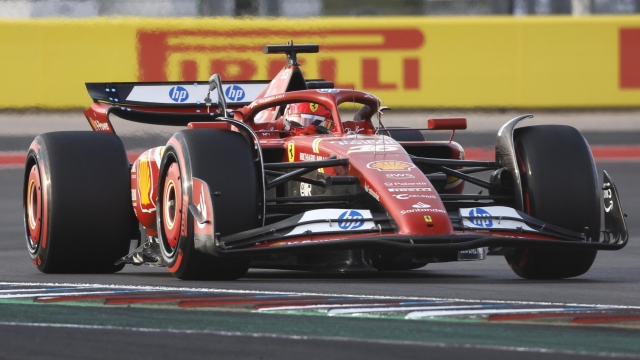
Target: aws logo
[{"x": 178, "y": 94}]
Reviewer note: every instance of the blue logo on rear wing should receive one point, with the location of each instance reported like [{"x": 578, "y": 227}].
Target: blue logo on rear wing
[
  {"x": 234, "y": 93},
  {"x": 178, "y": 94}
]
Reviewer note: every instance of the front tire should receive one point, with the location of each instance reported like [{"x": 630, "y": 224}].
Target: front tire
[
  {"x": 560, "y": 186},
  {"x": 77, "y": 202},
  {"x": 223, "y": 160}
]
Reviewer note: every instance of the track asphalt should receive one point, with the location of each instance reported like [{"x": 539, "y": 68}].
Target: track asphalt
[{"x": 450, "y": 310}]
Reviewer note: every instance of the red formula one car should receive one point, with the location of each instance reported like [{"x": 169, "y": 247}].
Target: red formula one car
[{"x": 294, "y": 174}]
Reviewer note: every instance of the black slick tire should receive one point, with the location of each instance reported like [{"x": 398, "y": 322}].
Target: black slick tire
[
  {"x": 223, "y": 159},
  {"x": 560, "y": 186},
  {"x": 77, "y": 202}
]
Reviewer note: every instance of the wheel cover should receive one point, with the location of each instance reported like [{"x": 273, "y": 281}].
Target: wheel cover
[
  {"x": 172, "y": 211},
  {"x": 33, "y": 209}
]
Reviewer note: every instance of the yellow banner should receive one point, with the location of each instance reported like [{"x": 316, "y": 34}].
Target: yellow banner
[{"x": 414, "y": 62}]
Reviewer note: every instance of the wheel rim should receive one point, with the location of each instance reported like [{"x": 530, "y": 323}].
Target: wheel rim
[
  {"x": 170, "y": 205},
  {"x": 172, "y": 208},
  {"x": 33, "y": 209}
]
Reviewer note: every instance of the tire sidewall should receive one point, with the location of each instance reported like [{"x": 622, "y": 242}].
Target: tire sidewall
[
  {"x": 176, "y": 258},
  {"x": 39, "y": 254}
]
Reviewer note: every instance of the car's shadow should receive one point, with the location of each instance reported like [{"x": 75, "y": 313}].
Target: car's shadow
[{"x": 419, "y": 276}]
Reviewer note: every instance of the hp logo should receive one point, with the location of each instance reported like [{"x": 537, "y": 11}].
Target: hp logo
[
  {"x": 178, "y": 94},
  {"x": 353, "y": 220},
  {"x": 477, "y": 213},
  {"x": 234, "y": 93}
]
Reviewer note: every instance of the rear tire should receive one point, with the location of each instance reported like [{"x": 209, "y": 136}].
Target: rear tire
[
  {"x": 223, "y": 160},
  {"x": 77, "y": 202},
  {"x": 560, "y": 186}
]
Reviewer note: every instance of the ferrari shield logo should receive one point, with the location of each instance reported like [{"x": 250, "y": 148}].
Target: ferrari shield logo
[
  {"x": 313, "y": 107},
  {"x": 291, "y": 151}
]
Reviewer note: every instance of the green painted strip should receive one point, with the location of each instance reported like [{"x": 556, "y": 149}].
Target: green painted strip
[{"x": 568, "y": 338}]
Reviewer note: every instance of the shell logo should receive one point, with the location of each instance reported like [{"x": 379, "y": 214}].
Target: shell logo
[
  {"x": 144, "y": 181},
  {"x": 147, "y": 172},
  {"x": 390, "y": 166}
]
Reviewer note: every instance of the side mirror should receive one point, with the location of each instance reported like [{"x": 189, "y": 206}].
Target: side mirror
[
  {"x": 452, "y": 124},
  {"x": 447, "y": 124}
]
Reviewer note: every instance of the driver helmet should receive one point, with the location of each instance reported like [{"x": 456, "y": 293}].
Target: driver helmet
[{"x": 301, "y": 115}]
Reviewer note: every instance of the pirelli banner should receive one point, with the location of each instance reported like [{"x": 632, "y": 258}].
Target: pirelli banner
[{"x": 412, "y": 62}]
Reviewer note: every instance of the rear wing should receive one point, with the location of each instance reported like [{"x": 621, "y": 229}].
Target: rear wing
[
  {"x": 183, "y": 94},
  {"x": 174, "y": 94},
  {"x": 180, "y": 102},
  {"x": 159, "y": 103}
]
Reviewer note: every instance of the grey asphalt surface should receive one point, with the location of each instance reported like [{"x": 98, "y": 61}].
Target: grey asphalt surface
[
  {"x": 614, "y": 279},
  {"x": 100, "y": 344}
]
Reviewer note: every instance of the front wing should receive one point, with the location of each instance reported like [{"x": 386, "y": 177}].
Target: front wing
[{"x": 291, "y": 235}]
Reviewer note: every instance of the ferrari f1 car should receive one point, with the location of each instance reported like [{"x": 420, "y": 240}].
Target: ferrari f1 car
[{"x": 255, "y": 181}]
